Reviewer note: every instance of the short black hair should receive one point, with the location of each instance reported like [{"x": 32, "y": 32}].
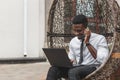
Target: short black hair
[{"x": 80, "y": 19}]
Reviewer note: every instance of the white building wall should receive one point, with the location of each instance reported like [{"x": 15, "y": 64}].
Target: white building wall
[
  {"x": 36, "y": 27},
  {"x": 12, "y": 28}
]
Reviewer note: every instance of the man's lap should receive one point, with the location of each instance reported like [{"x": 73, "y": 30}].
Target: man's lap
[{"x": 83, "y": 70}]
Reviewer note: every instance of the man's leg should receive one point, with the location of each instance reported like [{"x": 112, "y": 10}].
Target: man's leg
[
  {"x": 55, "y": 73},
  {"x": 79, "y": 73}
]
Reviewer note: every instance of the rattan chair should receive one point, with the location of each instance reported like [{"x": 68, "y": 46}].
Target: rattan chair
[{"x": 103, "y": 17}]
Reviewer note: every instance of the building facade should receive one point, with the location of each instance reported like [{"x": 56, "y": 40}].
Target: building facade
[{"x": 22, "y": 29}]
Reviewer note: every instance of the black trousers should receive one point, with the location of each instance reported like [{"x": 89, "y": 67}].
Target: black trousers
[{"x": 74, "y": 73}]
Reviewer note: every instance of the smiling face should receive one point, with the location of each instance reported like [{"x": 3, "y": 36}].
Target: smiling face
[{"x": 78, "y": 30}]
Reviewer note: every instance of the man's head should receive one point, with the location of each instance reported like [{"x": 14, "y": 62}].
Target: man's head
[
  {"x": 79, "y": 25},
  {"x": 80, "y": 19}
]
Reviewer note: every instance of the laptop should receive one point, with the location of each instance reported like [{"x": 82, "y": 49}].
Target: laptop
[{"x": 57, "y": 57}]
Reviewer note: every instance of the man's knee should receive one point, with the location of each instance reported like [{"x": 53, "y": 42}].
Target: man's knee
[{"x": 53, "y": 73}]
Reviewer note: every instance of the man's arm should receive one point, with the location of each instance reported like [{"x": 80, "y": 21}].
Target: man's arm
[
  {"x": 102, "y": 50},
  {"x": 71, "y": 54},
  {"x": 92, "y": 50}
]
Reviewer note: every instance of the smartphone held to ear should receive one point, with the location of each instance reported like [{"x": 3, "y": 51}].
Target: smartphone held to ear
[{"x": 86, "y": 33}]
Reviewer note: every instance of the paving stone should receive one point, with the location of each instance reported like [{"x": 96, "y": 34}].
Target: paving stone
[{"x": 28, "y": 71}]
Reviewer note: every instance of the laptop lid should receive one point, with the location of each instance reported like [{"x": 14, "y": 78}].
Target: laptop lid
[{"x": 57, "y": 57}]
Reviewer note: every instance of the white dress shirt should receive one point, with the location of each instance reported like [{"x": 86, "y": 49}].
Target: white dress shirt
[{"x": 97, "y": 41}]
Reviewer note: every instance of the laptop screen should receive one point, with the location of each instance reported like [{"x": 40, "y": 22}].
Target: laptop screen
[{"x": 57, "y": 57}]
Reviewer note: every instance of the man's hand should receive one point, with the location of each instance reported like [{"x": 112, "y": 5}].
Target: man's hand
[
  {"x": 71, "y": 61},
  {"x": 87, "y": 33}
]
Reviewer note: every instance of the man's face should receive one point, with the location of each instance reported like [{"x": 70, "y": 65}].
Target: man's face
[{"x": 78, "y": 30}]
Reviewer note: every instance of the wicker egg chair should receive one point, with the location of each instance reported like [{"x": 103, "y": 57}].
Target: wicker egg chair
[{"x": 103, "y": 17}]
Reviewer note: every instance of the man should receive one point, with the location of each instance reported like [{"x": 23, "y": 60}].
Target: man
[{"x": 87, "y": 49}]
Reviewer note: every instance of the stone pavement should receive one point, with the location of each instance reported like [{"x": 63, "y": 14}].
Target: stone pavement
[{"x": 24, "y": 71}]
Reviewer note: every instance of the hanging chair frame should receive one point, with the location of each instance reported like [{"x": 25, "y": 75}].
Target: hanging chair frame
[{"x": 102, "y": 71}]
